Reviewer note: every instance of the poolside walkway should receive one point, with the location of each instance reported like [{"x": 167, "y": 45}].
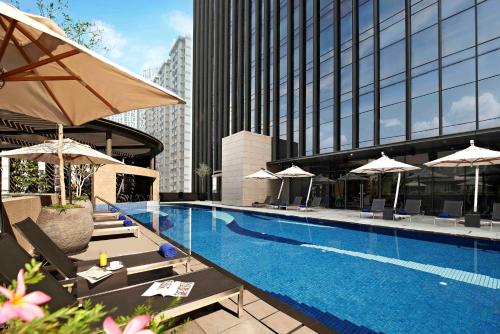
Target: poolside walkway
[
  {"x": 418, "y": 223},
  {"x": 258, "y": 316}
]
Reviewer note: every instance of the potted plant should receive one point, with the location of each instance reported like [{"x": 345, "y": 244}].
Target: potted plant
[{"x": 203, "y": 171}]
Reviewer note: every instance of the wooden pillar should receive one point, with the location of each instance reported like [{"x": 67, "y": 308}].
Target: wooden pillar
[{"x": 109, "y": 143}]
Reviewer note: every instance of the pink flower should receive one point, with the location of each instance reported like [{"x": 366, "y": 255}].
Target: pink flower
[
  {"x": 22, "y": 305},
  {"x": 135, "y": 326}
]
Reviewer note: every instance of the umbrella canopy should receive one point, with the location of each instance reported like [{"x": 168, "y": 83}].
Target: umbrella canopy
[
  {"x": 323, "y": 179},
  {"x": 472, "y": 156},
  {"x": 263, "y": 174},
  {"x": 46, "y": 75},
  {"x": 73, "y": 152},
  {"x": 294, "y": 171},
  {"x": 352, "y": 177},
  {"x": 383, "y": 165}
]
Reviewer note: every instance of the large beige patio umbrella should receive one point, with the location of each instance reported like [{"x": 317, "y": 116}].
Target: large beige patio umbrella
[
  {"x": 295, "y": 172},
  {"x": 46, "y": 75},
  {"x": 73, "y": 153},
  {"x": 383, "y": 165},
  {"x": 472, "y": 156}
]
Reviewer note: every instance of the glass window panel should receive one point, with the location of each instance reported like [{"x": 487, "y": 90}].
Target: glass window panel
[
  {"x": 366, "y": 124},
  {"x": 345, "y": 7},
  {"x": 458, "y": 74},
  {"x": 489, "y": 64},
  {"x": 424, "y": 46},
  {"x": 365, "y": 16},
  {"x": 392, "y": 94},
  {"x": 488, "y": 24},
  {"x": 366, "y": 102},
  {"x": 366, "y": 47},
  {"x": 392, "y": 60},
  {"x": 345, "y": 28},
  {"x": 346, "y": 133},
  {"x": 425, "y": 116},
  {"x": 346, "y": 108},
  {"x": 392, "y": 123},
  {"x": 425, "y": 18},
  {"x": 326, "y": 20},
  {"x": 326, "y": 67},
  {"x": 326, "y": 41},
  {"x": 425, "y": 84},
  {"x": 346, "y": 79},
  {"x": 392, "y": 34},
  {"x": 326, "y": 88},
  {"x": 387, "y": 8},
  {"x": 346, "y": 57},
  {"x": 450, "y": 7},
  {"x": 489, "y": 102},
  {"x": 459, "y": 109},
  {"x": 366, "y": 71},
  {"x": 458, "y": 32},
  {"x": 326, "y": 137}
]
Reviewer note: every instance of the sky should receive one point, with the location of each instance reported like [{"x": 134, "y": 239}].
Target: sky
[{"x": 138, "y": 33}]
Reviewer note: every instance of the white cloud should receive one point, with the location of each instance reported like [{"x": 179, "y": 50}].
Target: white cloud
[
  {"x": 179, "y": 22},
  {"x": 390, "y": 122},
  {"x": 112, "y": 39},
  {"x": 152, "y": 56},
  {"x": 425, "y": 125}
]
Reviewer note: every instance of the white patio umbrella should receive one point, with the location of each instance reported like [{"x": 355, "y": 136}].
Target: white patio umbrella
[
  {"x": 46, "y": 75},
  {"x": 263, "y": 174},
  {"x": 73, "y": 153},
  {"x": 293, "y": 172},
  {"x": 472, "y": 156},
  {"x": 383, "y": 165}
]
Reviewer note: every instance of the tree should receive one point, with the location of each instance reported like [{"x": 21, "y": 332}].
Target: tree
[
  {"x": 26, "y": 177},
  {"x": 80, "y": 174},
  {"x": 203, "y": 171}
]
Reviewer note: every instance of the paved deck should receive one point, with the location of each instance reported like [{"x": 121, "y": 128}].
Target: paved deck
[
  {"x": 258, "y": 316},
  {"x": 418, "y": 223}
]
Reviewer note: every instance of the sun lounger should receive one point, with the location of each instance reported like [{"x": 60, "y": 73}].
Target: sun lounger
[
  {"x": 210, "y": 287},
  {"x": 297, "y": 201},
  {"x": 377, "y": 207},
  {"x": 315, "y": 203},
  {"x": 135, "y": 263},
  {"x": 495, "y": 215},
  {"x": 112, "y": 231},
  {"x": 452, "y": 211},
  {"x": 266, "y": 202},
  {"x": 412, "y": 208}
]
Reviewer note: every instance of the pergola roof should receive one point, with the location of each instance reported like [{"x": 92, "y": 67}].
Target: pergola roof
[{"x": 18, "y": 130}]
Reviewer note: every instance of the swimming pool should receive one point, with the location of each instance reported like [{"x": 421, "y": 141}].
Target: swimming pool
[{"x": 351, "y": 278}]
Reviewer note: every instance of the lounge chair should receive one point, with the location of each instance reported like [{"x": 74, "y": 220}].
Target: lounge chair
[
  {"x": 135, "y": 263},
  {"x": 412, "y": 208},
  {"x": 315, "y": 203},
  {"x": 297, "y": 201},
  {"x": 452, "y": 211},
  {"x": 377, "y": 207},
  {"x": 210, "y": 287},
  {"x": 115, "y": 230},
  {"x": 495, "y": 215},
  {"x": 266, "y": 202}
]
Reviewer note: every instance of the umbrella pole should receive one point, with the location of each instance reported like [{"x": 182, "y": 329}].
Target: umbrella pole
[
  {"x": 281, "y": 188},
  {"x": 309, "y": 192},
  {"x": 476, "y": 188},
  {"x": 397, "y": 191},
  {"x": 61, "y": 164},
  {"x": 70, "y": 187}
]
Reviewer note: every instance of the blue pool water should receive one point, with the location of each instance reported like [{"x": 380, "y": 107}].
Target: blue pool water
[{"x": 351, "y": 278}]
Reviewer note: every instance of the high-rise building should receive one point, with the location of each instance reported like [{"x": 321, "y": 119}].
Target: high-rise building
[
  {"x": 172, "y": 124},
  {"x": 335, "y": 83}
]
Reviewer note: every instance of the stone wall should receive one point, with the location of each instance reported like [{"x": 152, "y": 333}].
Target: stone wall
[
  {"x": 104, "y": 181},
  {"x": 244, "y": 153}
]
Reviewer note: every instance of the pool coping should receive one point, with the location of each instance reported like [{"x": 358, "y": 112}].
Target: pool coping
[{"x": 312, "y": 220}]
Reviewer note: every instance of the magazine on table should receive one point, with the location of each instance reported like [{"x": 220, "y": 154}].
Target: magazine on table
[
  {"x": 169, "y": 288},
  {"x": 95, "y": 274}
]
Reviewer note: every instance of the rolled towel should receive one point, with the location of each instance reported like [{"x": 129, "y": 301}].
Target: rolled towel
[
  {"x": 127, "y": 223},
  {"x": 114, "y": 210},
  {"x": 443, "y": 215},
  {"x": 122, "y": 217},
  {"x": 402, "y": 212},
  {"x": 168, "y": 251},
  {"x": 365, "y": 210}
]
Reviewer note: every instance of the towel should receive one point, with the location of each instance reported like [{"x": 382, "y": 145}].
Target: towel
[
  {"x": 402, "y": 212},
  {"x": 128, "y": 223},
  {"x": 114, "y": 210},
  {"x": 365, "y": 210},
  {"x": 443, "y": 215},
  {"x": 122, "y": 217},
  {"x": 168, "y": 251}
]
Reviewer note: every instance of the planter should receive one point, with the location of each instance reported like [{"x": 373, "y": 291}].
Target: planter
[{"x": 70, "y": 230}]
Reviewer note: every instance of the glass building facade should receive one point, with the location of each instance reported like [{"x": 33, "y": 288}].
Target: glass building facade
[{"x": 335, "y": 82}]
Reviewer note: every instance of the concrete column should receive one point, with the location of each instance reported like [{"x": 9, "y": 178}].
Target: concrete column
[
  {"x": 109, "y": 143},
  {"x": 5, "y": 175}
]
